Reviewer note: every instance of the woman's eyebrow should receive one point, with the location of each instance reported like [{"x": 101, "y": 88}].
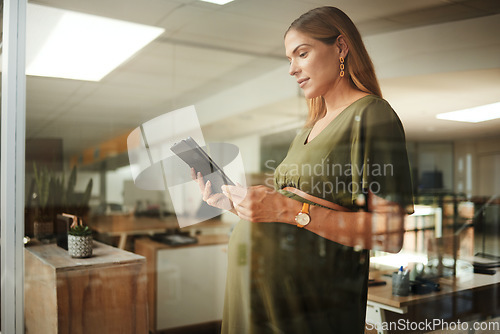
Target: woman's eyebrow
[{"x": 298, "y": 46}]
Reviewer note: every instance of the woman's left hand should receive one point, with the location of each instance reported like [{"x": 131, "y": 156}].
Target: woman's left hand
[{"x": 257, "y": 204}]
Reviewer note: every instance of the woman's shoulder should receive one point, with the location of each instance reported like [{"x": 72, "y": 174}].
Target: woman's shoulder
[
  {"x": 376, "y": 108},
  {"x": 374, "y": 102}
]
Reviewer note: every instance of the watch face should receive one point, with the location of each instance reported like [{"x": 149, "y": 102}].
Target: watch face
[{"x": 302, "y": 219}]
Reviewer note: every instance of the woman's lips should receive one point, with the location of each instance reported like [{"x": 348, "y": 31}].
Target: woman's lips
[{"x": 302, "y": 82}]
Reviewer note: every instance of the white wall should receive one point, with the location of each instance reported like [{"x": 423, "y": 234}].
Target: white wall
[
  {"x": 250, "y": 152},
  {"x": 474, "y": 167},
  {"x": 114, "y": 184},
  {"x": 83, "y": 178}
]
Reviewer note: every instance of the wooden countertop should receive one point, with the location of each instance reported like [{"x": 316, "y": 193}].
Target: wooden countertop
[
  {"x": 116, "y": 224},
  {"x": 383, "y": 294},
  {"x": 203, "y": 240},
  {"x": 103, "y": 255}
]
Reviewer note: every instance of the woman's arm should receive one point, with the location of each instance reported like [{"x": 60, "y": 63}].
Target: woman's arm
[{"x": 380, "y": 228}]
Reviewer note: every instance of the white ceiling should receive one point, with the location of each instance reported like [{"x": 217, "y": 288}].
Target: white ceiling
[{"x": 431, "y": 56}]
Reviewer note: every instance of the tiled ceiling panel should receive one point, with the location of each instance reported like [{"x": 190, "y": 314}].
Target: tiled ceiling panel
[{"x": 207, "y": 49}]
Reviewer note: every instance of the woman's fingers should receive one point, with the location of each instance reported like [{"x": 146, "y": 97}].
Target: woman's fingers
[
  {"x": 241, "y": 199},
  {"x": 213, "y": 199},
  {"x": 235, "y": 193},
  {"x": 243, "y": 212},
  {"x": 257, "y": 203},
  {"x": 205, "y": 188},
  {"x": 201, "y": 182},
  {"x": 207, "y": 191}
]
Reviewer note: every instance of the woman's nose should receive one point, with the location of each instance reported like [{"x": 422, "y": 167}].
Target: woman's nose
[{"x": 293, "y": 69}]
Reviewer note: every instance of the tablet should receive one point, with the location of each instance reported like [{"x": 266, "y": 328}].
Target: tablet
[{"x": 192, "y": 154}]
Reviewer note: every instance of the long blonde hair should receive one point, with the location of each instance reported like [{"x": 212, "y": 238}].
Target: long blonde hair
[{"x": 325, "y": 24}]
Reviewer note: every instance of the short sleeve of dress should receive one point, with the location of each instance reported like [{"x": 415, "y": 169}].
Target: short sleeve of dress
[{"x": 379, "y": 151}]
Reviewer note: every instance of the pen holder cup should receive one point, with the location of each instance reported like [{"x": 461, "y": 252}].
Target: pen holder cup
[{"x": 400, "y": 284}]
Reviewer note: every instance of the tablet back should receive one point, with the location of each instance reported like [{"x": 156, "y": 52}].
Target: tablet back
[{"x": 192, "y": 154}]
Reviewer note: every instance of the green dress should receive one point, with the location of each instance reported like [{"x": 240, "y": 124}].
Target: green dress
[{"x": 283, "y": 279}]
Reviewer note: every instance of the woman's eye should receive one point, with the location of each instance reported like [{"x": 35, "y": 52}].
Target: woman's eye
[{"x": 303, "y": 54}]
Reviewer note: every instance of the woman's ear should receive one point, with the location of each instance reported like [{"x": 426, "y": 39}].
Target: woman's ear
[{"x": 342, "y": 46}]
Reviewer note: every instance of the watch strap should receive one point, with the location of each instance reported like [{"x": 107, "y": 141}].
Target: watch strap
[{"x": 305, "y": 208}]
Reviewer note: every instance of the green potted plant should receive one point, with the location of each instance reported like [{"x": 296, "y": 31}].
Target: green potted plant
[
  {"x": 50, "y": 195},
  {"x": 43, "y": 224},
  {"x": 66, "y": 199},
  {"x": 79, "y": 239}
]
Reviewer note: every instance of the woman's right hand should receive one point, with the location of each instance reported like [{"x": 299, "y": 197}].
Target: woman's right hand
[{"x": 217, "y": 200}]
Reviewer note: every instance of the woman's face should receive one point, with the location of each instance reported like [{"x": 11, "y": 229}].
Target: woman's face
[{"x": 314, "y": 64}]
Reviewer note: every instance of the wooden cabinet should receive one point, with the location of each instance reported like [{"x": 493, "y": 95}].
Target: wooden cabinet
[{"x": 106, "y": 293}]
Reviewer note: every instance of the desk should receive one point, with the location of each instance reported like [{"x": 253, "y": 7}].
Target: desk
[
  {"x": 381, "y": 303},
  {"x": 102, "y": 294},
  {"x": 124, "y": 226}
]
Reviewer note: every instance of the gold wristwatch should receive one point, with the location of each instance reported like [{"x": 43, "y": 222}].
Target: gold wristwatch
[{"x": 303, "y": 218}]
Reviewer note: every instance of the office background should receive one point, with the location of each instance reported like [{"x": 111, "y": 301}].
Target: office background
[{"x": 431, "y": 57}]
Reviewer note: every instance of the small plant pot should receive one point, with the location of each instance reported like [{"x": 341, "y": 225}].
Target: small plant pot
[{"x": 80, "y": 246}]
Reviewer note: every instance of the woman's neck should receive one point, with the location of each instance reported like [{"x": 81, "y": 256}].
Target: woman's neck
[{"x": 340, "y": 97}]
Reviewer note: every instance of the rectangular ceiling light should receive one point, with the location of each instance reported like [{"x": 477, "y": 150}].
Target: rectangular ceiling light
[
  {"x": 218, "y": 2},
  {"x": 72, "y": 45},
  {"x": 473, "y": 115}
]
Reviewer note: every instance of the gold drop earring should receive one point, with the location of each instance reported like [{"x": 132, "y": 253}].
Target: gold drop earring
[{"x": 342, "y": 67}]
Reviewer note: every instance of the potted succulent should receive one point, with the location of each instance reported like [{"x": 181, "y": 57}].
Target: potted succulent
[
  {"x": 79, "y": 240},
  {"x": 67, "y": 200}
]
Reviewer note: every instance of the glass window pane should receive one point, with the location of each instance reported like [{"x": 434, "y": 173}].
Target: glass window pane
[{"x": 121, "y": 240}]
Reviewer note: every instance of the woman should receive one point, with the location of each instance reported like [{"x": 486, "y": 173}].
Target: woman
[{"x": 346, "y": 179}]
